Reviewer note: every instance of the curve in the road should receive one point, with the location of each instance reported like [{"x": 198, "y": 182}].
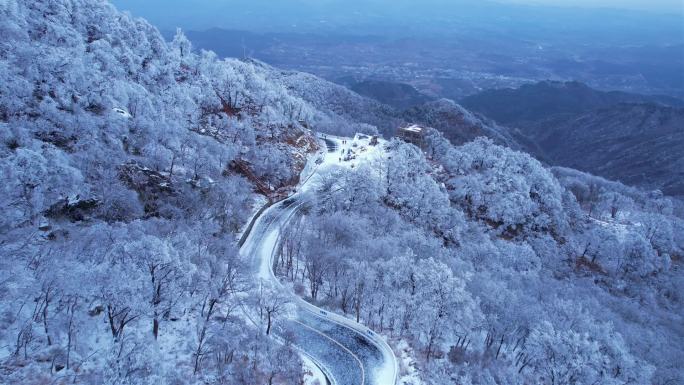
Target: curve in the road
[
  {"x": 333, "y": 359},
  {"x": 345, "y": 351},
  {"x": 354, "y": 356}
]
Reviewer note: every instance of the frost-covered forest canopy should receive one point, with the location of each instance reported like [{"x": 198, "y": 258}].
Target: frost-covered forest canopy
[{"x": 132, "y": 165}]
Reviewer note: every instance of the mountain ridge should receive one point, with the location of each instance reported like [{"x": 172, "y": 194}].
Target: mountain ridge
[
  {"x": 575, "y": 126},
  {"x": 532, "y": 102}
]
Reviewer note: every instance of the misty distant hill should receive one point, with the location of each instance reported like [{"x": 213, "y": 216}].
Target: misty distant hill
[
  {"x": 532, "y": 102},
  {"x": 398, "y": 95},
  {"x": 461, "y": 126}
]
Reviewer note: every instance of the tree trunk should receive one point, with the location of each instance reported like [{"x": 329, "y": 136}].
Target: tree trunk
[
  {"x": 155, "y": 327},
  {"x": 45, "y": 323},
  {"x": 110, "y": 316},
  {"x": 70, "y": 332}
]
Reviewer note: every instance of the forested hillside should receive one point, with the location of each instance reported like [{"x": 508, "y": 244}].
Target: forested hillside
[
  {"x": 460, "y": 126},
  {"x": 122, "y": 203},
  {"x": 346, "y": 113},
  {"x": 132, "y": 166},
  {"x": 491, "y": 268}
]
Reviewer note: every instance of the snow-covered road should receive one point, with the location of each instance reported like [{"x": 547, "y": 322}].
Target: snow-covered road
[{"x": 347, "y": 353}]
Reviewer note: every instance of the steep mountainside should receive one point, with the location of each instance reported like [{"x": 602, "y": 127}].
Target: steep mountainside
[
  {"x": 130, "y": 166},
  {"x": 486, "y": 265},
  {"x": 637, "y": 144},
  {"x": 350, "y": 110}
]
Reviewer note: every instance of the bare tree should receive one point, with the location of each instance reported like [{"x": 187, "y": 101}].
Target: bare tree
[
  {"x": 272, "y": 303},
  {"x": 48, "y": 292},
  {"x": 225, "y": 280},
  {"x": 119, "y": 316}
]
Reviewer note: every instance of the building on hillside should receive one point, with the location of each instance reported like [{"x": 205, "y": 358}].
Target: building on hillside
[{"x": 413, "y": 134}]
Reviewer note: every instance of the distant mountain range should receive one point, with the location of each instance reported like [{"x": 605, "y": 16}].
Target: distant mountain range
[
  {"x": 636, "y": 139},
  {"x": 441, "y": 69},
  {"x": 534, "y": 102}
]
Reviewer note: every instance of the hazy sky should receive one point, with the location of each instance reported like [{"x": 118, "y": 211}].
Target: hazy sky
[
  {"x": 277, "y": 15},
  {"x": 673, "y": 6},
  {"x": 654, "y": 5}
]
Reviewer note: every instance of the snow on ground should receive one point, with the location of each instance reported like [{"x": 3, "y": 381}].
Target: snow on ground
[
  {"x": 387, "y": 373},
  {"x": 122, "y": 113},
  {"x": 314, "y": 376},
  {"x": 408, "y": 365},
  {"x": 265, "y": 251},
  {"x": 349, "y": 153},
  {"x": 620, "y": 229}
]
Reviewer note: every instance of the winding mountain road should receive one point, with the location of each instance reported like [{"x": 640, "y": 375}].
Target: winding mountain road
[{"x": 346, "y": 352}]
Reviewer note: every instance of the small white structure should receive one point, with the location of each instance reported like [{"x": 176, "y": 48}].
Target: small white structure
[
  {"x": 414, "y": 134},
  {"x": 121, "y": 113}
]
